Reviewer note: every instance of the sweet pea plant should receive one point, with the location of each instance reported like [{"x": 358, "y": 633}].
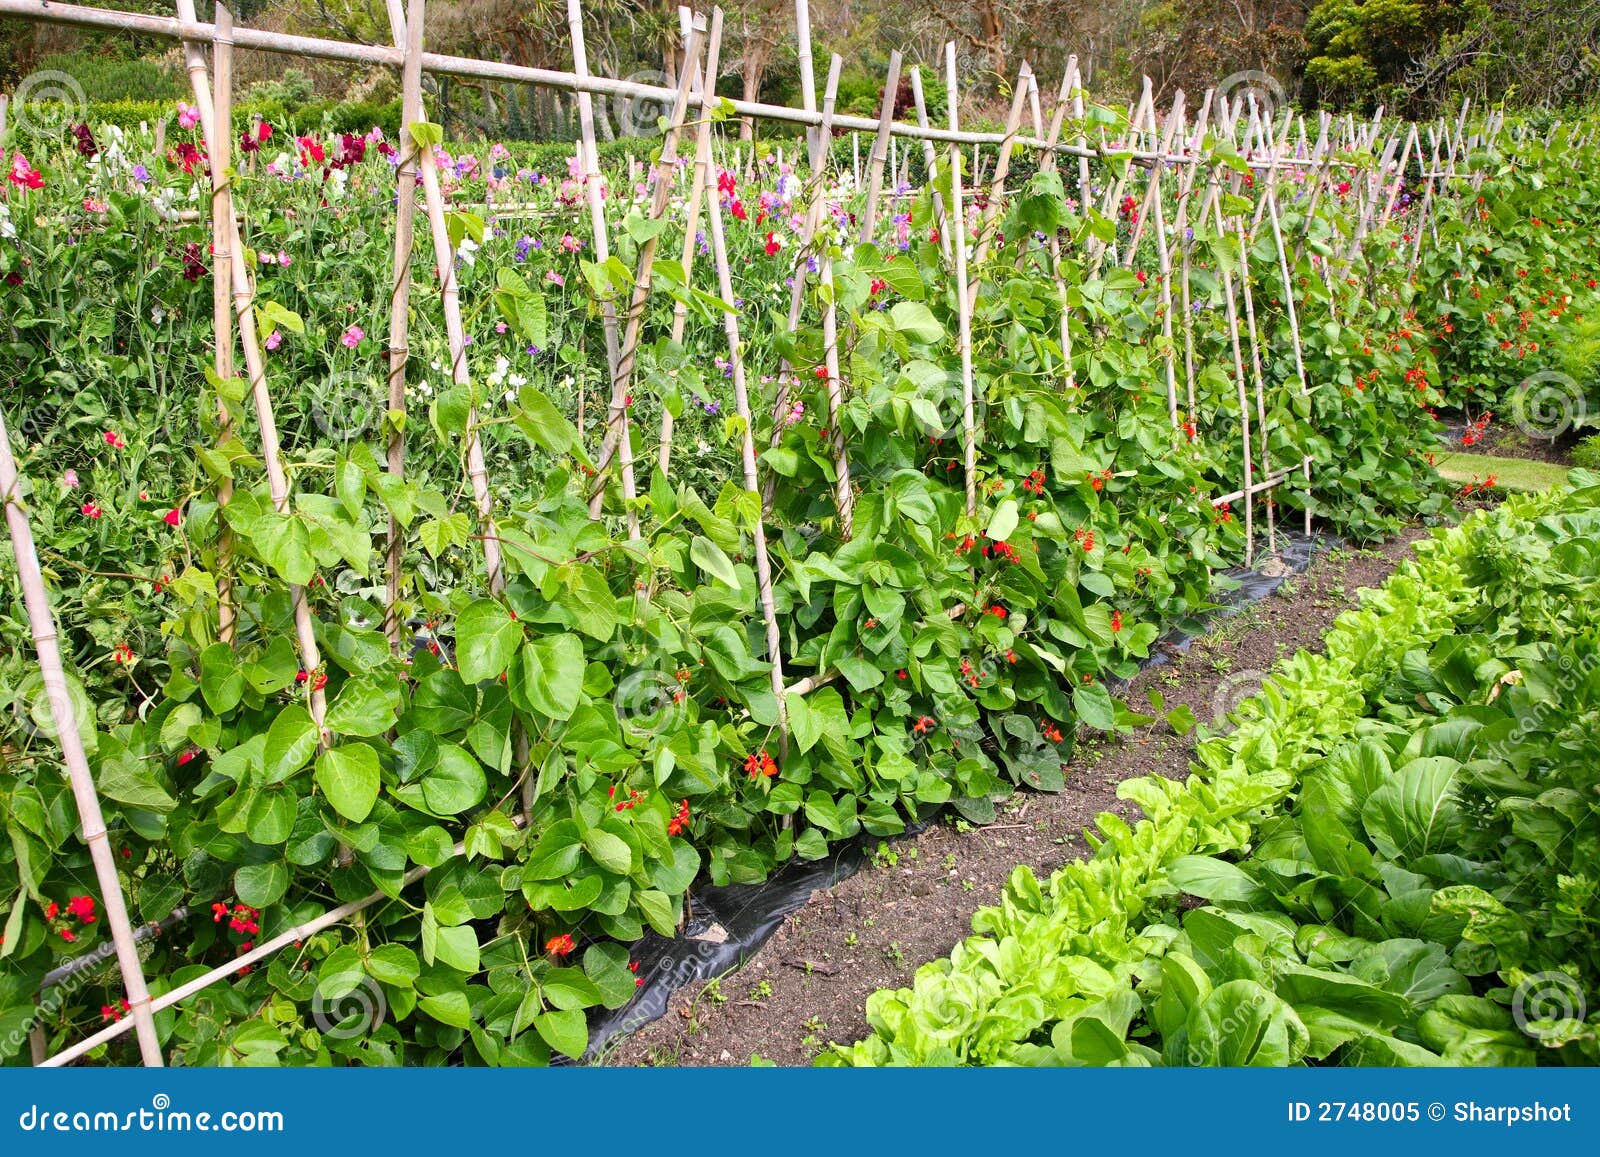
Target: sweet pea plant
[{"x": 544, "y": 773}]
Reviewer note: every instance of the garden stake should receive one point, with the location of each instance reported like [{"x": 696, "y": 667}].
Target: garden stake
[
  {"x": 63, "y": 713},
  {"x": 661, "y": 198},
  {"x": 408, "y": 33},
  {"x": 255, "y": 363},
  {"x": 930, "y": 163},
  {"x": 719, "y": 250},
  {"x": 221, "y": 278},
  {"x": 808, "y": 230},
  {"x": 880, "y": 147},
  {"x": 686, "y": 256},
  {"x": 958, "y": 225}
]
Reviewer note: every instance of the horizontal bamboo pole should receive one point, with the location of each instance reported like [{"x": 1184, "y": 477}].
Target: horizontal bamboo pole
[
  {"x": 442, "y": 64},
  {"x": 302, "y": 931},
  {"x": 1269, "y": 482}
]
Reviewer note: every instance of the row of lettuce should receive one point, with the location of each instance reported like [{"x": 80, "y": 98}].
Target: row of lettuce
[{"x": 1390, "y": 861}]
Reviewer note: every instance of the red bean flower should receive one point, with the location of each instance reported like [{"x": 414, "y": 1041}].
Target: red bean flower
[
  {"x": 561, "y": 945},
  {"x": 761, "y": 764},
  {"x": 679, "y": 822}
]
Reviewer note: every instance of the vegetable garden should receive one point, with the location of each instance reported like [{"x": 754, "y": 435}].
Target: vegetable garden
[{"x": 429, "y": 571}]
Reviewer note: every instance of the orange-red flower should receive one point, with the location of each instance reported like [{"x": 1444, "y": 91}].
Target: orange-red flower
[{"x": 761, "y": 764}]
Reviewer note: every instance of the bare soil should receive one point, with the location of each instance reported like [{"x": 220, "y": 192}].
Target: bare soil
[
  {"x": 1506, "y": 441},
  {"x": 808, "y": 985}
]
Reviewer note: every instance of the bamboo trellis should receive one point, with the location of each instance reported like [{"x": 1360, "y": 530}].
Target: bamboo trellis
[{"x": 1342, "y": 146}]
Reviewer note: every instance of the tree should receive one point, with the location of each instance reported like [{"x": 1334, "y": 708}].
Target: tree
[
  {"x": 761, "y": 26},
  {"x": 1363, "y": 50}
]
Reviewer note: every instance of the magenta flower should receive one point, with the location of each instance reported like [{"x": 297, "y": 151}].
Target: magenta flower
[
  {"x": 274, "y": 340},
  {"x": 352, "y": 337}
]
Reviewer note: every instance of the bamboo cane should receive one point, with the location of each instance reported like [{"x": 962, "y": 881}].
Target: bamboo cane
[
  {"x": 643, "y": 281},
  {"x": 1284, "y": 273},
  {"x": 255, "y": 363},
  {"x": 1085, "y": 186},
  {"x": 1153, "y": 188},
  {"x": 1321, "y": 152},
  {"x": 1399, "y": 179},
  {"x": 407, "y": 31},
  {"x": 221, "y": 278},
  {"x": 741, "y": 396},
  {"x": 808, "y": 78},
  {"x": 1239, "y": 381},
  {"x": 815, "y": 209},
  {"x": 958, "y": 225},
  {"x": 930, "y": 163},
  {"x": 444, "y": 256},
  {"x": 41, "y": 623},
  {"x": 880, "y": 147},
  {"x": 444, "y": 64},
  {"x": 1257, "y": 375},
  {"x": 1164, "y": 267},
  {"x": 1047, "y": 163},
  {"x": 997, "y": 188},
  {"x": 300, "y": 932},
  {"x": 680, "y": 309},
  {"x": 1182, "y": 237},
  {"x": 602, "y": 252},
  {"x": 844, "y": 496},
  {"x": 1113, "y": 198}
]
